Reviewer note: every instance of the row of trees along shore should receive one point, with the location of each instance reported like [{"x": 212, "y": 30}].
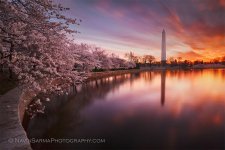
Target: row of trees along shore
[
  {"x": 35, "y": 47},
  {"x": 150, "y": 61}
]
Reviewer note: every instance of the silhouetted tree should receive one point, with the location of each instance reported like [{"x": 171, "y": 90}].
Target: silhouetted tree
[{"x": 148, "y": 59}]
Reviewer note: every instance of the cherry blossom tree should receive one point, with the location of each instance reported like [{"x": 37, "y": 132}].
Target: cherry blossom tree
[
  {"x": 102, "y": 57},
  {"x": 84, "y": 60},
  {"x": 34, "y": 43},
  {"x": 121, "y": 63},
  {"x": 89, "y": 57}
]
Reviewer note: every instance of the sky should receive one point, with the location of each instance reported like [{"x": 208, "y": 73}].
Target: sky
[{"x": 195, "y": 29}]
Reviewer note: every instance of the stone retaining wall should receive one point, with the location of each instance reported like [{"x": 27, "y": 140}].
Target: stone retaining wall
[{"x": 12, "y": 134}]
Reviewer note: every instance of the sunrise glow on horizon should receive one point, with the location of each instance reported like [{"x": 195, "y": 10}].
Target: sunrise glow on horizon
[{"x": 195, "y": 29}]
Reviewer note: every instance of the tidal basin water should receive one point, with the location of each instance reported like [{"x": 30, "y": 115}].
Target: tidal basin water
[{"x": 147, "y": 110}]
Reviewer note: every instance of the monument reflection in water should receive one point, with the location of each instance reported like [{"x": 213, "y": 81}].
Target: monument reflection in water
[
  {"x": 148, "y": 110},
  {"x": 163, "y": 82}
]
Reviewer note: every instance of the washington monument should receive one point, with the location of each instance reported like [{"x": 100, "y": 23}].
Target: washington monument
[{"x": 163, "y": 54}]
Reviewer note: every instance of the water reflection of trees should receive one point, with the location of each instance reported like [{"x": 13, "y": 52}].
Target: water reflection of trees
[
  {"x": 64, "y": 111},
  {"x": 147, "y": 75},
  {"x": 195, "y": 72}
]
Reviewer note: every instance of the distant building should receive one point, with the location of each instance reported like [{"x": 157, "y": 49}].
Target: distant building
[{"x": 163, "y": 54}]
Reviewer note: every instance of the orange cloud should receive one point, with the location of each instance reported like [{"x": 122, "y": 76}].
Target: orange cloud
[
  {"x": 191, "y": 55},
  {"x": 208, "y": 41},
  {"x": 222, "y": 3},
  {"x": 131, "y": 25}
]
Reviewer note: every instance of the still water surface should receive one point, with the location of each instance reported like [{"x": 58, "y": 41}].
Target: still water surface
[{"x": 147, "y": 110}]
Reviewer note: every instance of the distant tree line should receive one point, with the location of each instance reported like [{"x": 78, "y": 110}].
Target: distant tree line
[
  {"x": 150, "y": 61},
  {"x": 172, "y": 61}
]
